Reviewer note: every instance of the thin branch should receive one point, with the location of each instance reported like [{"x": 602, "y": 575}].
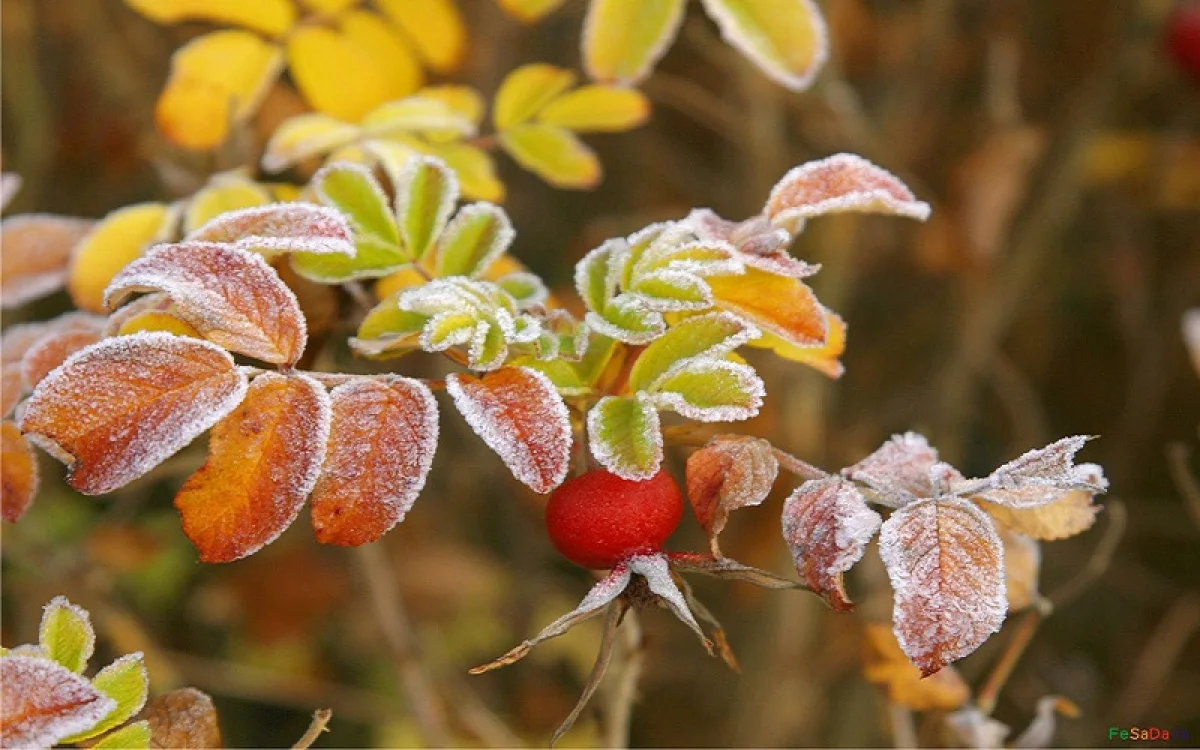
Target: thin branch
[
  {"x": 904, "y": 734},
  {"x": 608, "y": 639},
  {"x": 1101, "y": 558},
  {"x": 623, "y": 692},
  {"x": 802, "y": 469},
  {"x": 1150, "y": 674},
  {"x": 320, "y": 721},
  {"x": 988, "y": 694}
]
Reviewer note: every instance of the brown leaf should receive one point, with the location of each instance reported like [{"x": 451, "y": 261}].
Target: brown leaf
[
  {"x": 120, "y": 407},
  {"x": 899, "y": 471},
  {"x": 18, "y": 472},
  {"x": 945, "y": 562},
  {"x": 519, "y": 414},
  {"x": 43, "y": 702},
  {"x": 34, "y": 251},
  {"x": 840, "y": 183},
  {"x": 263, "y": 461},
  {"x": 827, "y": 525},
  {"x": 1022, "y": 564},
  {"x": 381, "y": 444},
  {"x": 53, "y": 349},
  {"x": 231, "y": 296},
  {"x": 280, "y": 228},
  {"x": 886, "y": 665},
  {"x": 183, "y": 718},
  {"x": 1071, "y": 514},
  {"x": 730, "y": 472}
]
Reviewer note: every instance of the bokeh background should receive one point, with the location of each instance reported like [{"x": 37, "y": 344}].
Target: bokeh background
[{"x": 1059, "y": 145}]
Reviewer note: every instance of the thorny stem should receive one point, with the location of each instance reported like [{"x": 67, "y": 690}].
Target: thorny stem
[
  {"x": 613, "y": 619},
  {"x": 320, "y": 720},
  {"x": 397, "y": 629}
]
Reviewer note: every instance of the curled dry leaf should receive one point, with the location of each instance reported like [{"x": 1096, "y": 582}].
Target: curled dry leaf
[
  {"x": 946, "y": 564},
  {"x": 44, "y": 702},
  {"x": 827, "y": 525},
  {"x": 838, "y": 184},
  {"x": 18, "y": 472},
  {"x": 120, "y": 407},
  {"x": 182, "y": 718},
  {"x": 1022, "y": 564},
  {"x": 657, "y": 571},
  {"x": 263, "y": 461},
  {"x": 1039, "y": 476},
  {"x": 381, "y": 444},
  {"x": 885, "y": 665},
  {"x": 280, "y": 228},
  {"x": 520, "y": 415},
  {"x": 730, "y": 472},
  {"x": 229, "y": 295},
  {"x": 34, "y": 252},
  {"x": 1071, "y": 514},
  {"x": 899, "y": 470}
]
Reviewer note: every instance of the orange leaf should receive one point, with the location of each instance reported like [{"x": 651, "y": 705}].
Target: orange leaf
[
  {"x": 263, "y": 461},
  {"x": 54, "y": 349},
  {"x": 18, "y": 472},
  {"x": 827, "y": 524},
  {"x": 44, "y": 702},
  {"x": 945, "y": 562},
  {"x": 840, "y": 183},
  {"x": 381, "y": 446},
  {"x": 825, "y": 358},
  {"x": 886, "y": 666},
  {"x": 730, "y": 472},
  {"x": 182, "y": 718},
  {"x": 34, "y": 251},
  {"x": 519, "y": 414},
  {"x": 1022, "y": 565},
  {"x": 780, "y": 305},
  {"x": 1071, "y": 514},
  {"x": 12, "y": 388},
  {"x": 120, "y": 407},
  {"x": 232, "y": 297}
]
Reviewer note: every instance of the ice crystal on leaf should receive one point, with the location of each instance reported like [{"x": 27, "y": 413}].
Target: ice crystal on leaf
[
  {"x": 840, "y": 183},
  {"x": 730, "y": 472},
  {"x": 43, "y": 702},
  {"x": 280, "y": 228}
]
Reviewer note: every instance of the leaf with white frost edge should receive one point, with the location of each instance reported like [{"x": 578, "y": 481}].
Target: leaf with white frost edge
[
  {"x": 43, "y": 702},
  {"x": 280, "y": 228},
  {"x": 66, "y": 634},
  {"x": 715, "y": 390},
  {"x": 657, "y": 572},
  {"x": 827, "y": 525},
  {"x": 838, "y": 184},
  {"x": 898, "y": 470},
  {"x": 625, "y": 436}
]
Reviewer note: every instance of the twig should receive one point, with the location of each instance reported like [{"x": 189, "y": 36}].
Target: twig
[
  {"x": 904, "y": 734},
  {"x": 480, "y": 720},
  {"x": 990, "y": 692},
  {"x": 802, "y": 469},
  {"x": 320, "y": 720},
  {"x": 1099, "y": 561},
  {"x": 623, "y": 691},
  {"x": 611, "y": 621},
  {"x": 695, "y": 101},
  {"x": 1177, "y": 462},
  {"x": 397, "y": 629}
]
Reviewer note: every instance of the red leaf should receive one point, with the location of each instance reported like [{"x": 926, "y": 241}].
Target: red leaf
[
  {"x": 381, "y": 444},
  {"x": 827, "y": 525},
  {"x": 43, "y": 702},
  {"x": 18, "y": 472},
  {"x": 53, "y": 349},
  {"x": 34, "y": 251},
  {"x": 120, "y": 407},
  {"x": 232, "y": 297},
  {"x": 263, "y": 461},
  {"x": 840, "y": 183},
  {"x": 730, "y": 472},
  {"x": 280, "y": 228},
  {"x": 946, "y": 564},
  {"x": 519, "y": 414}
]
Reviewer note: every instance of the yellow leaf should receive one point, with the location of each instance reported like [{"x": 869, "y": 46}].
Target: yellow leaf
[
  {"x": 223, "y": 193},
  {"x": 389, "y": 52},
  {"x": 887, "y": 666},
  {"x": 156, "y": 320},
  {"x": 554, "y": 154},
  {"x": 475, "y": 168},
  {"x": 335, "y": 75},
  {"x": 529, "y": 10},
  {"x": 780, "y": 305},
  {"x": 786, "y": 39},
  {"x": 304, "y": 136},
  {"x": 526, "y": 90},
  {"x": 435, "y": 28},
  {"x": 405, "y": 278},
  {"x": 117, "y": 240},
  {"x": 328, "y": 7},
  {"x": 416, "y": 114},
  {"x": 825, "y": 358},
  {"x": 597, "y": 108},
  {"x": 464, "y": 100},
  {"x": 623, "y": 39},
  {"x": 216, "y": 80},
  {"x": 271, "y": 17}
]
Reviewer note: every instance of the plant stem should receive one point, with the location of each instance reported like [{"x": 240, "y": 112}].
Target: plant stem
[
  {"x": 320, "y": 720},
  {"x": 802, "y": 469},
  {"x": 623, "y": 688},
  {"x": 988, "y": 694}
]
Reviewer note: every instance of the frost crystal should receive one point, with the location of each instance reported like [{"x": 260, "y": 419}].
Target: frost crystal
[
  {"x": 840, "y": 183},
  {"x": 827, "y": 525},
  {"x": 280, "y": 228},
  {"x": 43, "y": 702},
  {"x": 657, "y": 572}
]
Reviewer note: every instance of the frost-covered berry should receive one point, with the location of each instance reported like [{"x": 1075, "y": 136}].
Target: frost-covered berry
[{"x": 599, "y": 519}]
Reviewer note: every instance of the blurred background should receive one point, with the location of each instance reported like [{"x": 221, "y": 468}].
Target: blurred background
[{"x": 1059, "y": 144}]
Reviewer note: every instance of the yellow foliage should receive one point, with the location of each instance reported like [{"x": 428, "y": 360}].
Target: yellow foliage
[
  {"x": 117, "y": 240},
  {"x": 435, "y": 28},
  {"x": 530, "y": 10},
  {"x": 224, "y": 193},
  {"x": 526, "y": 90},
  {"x": 387, "y": 51},
  {"x": 554, "y": 154},
  {"x": 597, "y": 108},
  {"x": 270, "y": 17},
  {"x": 335, "y": 75}
]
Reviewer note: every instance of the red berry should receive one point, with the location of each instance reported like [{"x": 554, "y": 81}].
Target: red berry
[
  {"x": 599, "y": 519},
  {"x": 1183, "y": 38}
]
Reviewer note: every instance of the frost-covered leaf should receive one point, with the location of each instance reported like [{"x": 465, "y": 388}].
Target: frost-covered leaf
[
  {"x": 120, "y": 407},
  {"x": 599, "y": 597},
  {"x": 520, "y": 415},
  {"x": 555, "y": 154},
  {"x": 113, "y": 243},
  {"x": 133, "y": 735},
  {"x": 710, "y": 390},
  {"x": 825, "y": 358},
  {"x": 66, "y": 634},
  {"x": 625, "y": 436},
  {"x": 304, "y": 136},
  {"x": 597, "y": 108},
  {"x": 477, "y": 315},
  {"x": 34, "y": 252},
  {"x": 1072, "y": 513},
  {"x": 1022, "y": 566},
  {"x": 624, "y": 39},
  {"x": 827, "y": 525},
  {"x": 388, "y": 331},
  {"x": 18, "y": 472},
  {"x": 946, "y": 564},
  {"x": 59, "y": 343},
  {"x": 233, "y": 297},
  {"x": 263, "y": 461},
  {"x": 628, "y": 319},
  {"x": 730, "y": 472},
  {"x": 526, "y": 289},
  {"x": 837, "y": 184},
  {"x": 42, "y": 702},
  {"x": 657, "y": 572},
  {"x": 183, "y": 718},
  {"x": 1040, "y": 476},
  {"x": 886, "y": 665},
  {"x": 780, "y": 305},
  {"x": 126, "y": 682},
  {"x": 898, "y": 470},
  {"x": 526, "y": 91},
  {"x": 598, "y": 272},
  {"x": 280, "y": 228},
  {"x": 786, "y": 39},
  {"x": 381, "y": 443},
  {"x": 426, "y": 192},
  {"x": 706, "y": 336},
  {"x": 476, "y": 236},
  {"x": 225, "y": 192},
  {"x": 672, "y": 290}
]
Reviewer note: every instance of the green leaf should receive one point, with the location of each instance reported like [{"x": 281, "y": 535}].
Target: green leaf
[
  {"x": 673, "y": 291},
  {"x": 651, "y": 240},
  {"x": 374, "y": 258},
  {"x": 127, "y": 683},
  {"x": 447, "y": 330},
  {"x": 426, "y": 191},
  {"x": 599, "y": 352},
  {"x": 388, "y": 331},
  {"x": 713, "y": 335},
  {"x": 135, "y": 735},
  {"x": 625, "y": 436},
  {"x": 561, "y": 373},
  {"x": 524, "y": 287},
  {"x": 628, "y": 319},
  {"x": 352, "y": 189},
  {"x": 710, "y": 390},
  {"x": 476, "y": 236},
  {"x": 66, "y": 634},
  {"x": 597, "y": 272}
]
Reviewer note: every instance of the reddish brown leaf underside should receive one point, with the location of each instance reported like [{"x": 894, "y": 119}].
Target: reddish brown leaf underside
[
  {"x": 18, "y": 472},
  {"x": 52, "y": 351},
  {"x": 263, "y": 462},
  {"x": 34, "y": 251},
  {"x": 42, "y": 702},
  {"x": 731, "y": 472}
]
